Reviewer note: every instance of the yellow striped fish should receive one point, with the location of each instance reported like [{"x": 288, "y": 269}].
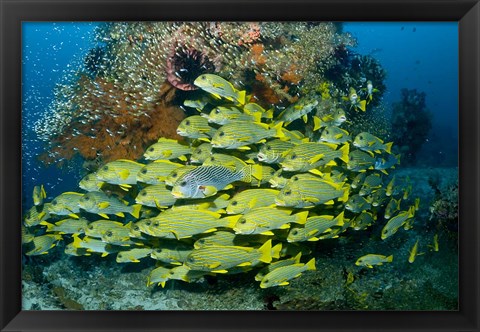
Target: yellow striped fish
[
  {"x": 39, "y": 195},
  {"x": 310, "y": 155},
  {"x": 162, "y": 274},
  {"x": 122, "y": 172},
  {"x": 220, "y": 259},
  {"x": 42, "y": 244},
  {"x": 201, "y": 153},
  {"x": 68, "y": 226},
  {"x": 133, "y": 255},
  {"x": 184, "y": 223},
  {"x": 282, "y": 275},
  {"x": 103, "y": 205},
  {"x": 263, "y": 220},
  {"x": 176, "y": 255},
  {"x": 156, "y": 195},
  {"x": 272, "y": 152},
  {"x": 251, "y": 198},
  {"x": 177, "y": 173},
  {"x": 156, "y": 172},
  {"x": 93, "y": 245},
  {"x": 315, "y": 227},
  {"x": 66, "y": 203},
  {"x": 227, "y": 238},
  {"x": 167, "y": 148},
  {"x": 357, "y": 204},
  {"x": 220, "y": 88},
  {"x": 270, "y": 267},
  {"x": 195, "y": 126},
  {"x": 223, "y": 115},
  {"x": 239, "y": 134},
  {"x": 371, "y": 183},
  {"x": 311, "y": 192},
  {"x": 36, "y": 215},
  {"x": 396, "y": 222},
  {"x": 90, "y": 182}
]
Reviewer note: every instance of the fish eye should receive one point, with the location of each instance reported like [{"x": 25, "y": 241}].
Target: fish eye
[
  {"x": 327, "y": 132},
  {"x": 243, "y": 221},
  {"x": 295, "y": 178},
  {"x": 269, "y": 147},
  {"x": 361, "y": 137},
  {"x": 294, "y": 232},
  {"x": 221, "y": 134},
  {"x": 199, "y": 151},
  {"x": 143, "y": 171},
  {"x": 108, "y": 233},
  {"x": 203, "y": 77},
  {"x": 148, "y": 223},
  {"x": 212, "y": 158},
  {"x": 90, "y": 227},
  {"x": 120, "y": 255},
  {"x": 143, "y": 193},
  {"x": 191, "y": 260},
  {"x": 187, "y": 122},
  {"x": 105, "y": 168},
  {"x": 183, "y": 184},
  {"x": 86, "y": 198},
  {"x": 174, "y": 175},
  {"x": 151, "y": 149},
  {"x": 136, "y": 228},
  {"x": 288, "y": 193},
  {"x": 217, "y": 111},
  {"x": 234, "y": 203},
  {"x": 156, "y": 224},
  {"x": 171, "y": 272},
  {"x": 293, "y": 156},
  {"x": 54, "y": 202},
  {"x": 158, "y": 251}
]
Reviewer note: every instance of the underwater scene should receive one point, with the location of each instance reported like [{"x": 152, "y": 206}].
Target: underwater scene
[{"x": 239, "y": 166}]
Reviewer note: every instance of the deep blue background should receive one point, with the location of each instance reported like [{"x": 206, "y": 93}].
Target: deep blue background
[{"x": 416, "y": 55}]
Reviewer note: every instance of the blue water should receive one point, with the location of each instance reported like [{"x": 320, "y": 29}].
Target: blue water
[{"x": 416, "y": 55}]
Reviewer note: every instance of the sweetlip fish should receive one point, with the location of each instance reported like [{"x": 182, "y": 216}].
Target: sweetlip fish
[
  {"x": 122, "y": 172},
  {"x": 220, "y": 88},
  {"x": 282, "y": 275},
  {"x": 205, "y": 181}
]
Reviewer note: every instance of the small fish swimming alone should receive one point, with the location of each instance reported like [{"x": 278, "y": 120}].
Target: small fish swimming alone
[
  {"x": 205, "y": 181},
  {"x": 39, "y": 195},
  {"x": 122, "y": 172},
  {"x": 373, "y": 259},
  {"x": 240, "y": 134},
  {"x": 219, "y": 87},
  {"x": 414, "y": 253},
  {"x": 370, "y": 91},
  {"x": 282, "y": 275},
  {"x": 369, "y": 143}
]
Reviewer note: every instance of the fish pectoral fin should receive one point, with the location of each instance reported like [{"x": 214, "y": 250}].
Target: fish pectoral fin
[
  {"x": 243, "y": 148},
  {"x": 313, "y": 200},
  {"x": 103, "y": 205},
  {"x": 103, "y": 215},
  {"x": 124, "y": 174},
  {"x": 73, "y": 215},
  {"x": 284, "y": 226},
  {"x": 267, "y": 233},
  {"x": 167, "y": 153},
  {"x": 208, "y": 190},
  {"x": 285, "y": 283},
  {"x": 214, "y": 265},
  {"x": 316, "y": 158},
  {"x": 305, "y": 118},
  {"x": 314, "y": 238},
  {"x": 120, "y": 214},
  {"x": 125, "y": 187}
]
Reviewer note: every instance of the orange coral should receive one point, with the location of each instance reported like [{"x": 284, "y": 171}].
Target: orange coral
[
  {"x": 257, "y": 56},
  {"x": 111, "y": 130},
  {"x": 292, "y": 75}
]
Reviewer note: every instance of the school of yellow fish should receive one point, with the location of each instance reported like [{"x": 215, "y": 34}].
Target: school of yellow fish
[{"x": 241, "y": 193}]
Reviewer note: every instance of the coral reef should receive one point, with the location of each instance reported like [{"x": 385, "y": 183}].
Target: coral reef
[
  {"x": 411, "y": 123},
  {"x": 117, "y": 103}
]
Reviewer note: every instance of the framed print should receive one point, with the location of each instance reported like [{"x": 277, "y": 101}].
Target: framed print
[{"x": 208, "y": 165}]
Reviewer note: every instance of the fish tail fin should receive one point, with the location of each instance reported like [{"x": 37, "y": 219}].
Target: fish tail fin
[
  {"x": 269, "y": 114},
  {"x": 257, "y": 117},
  {"x": 136, "y": 210},
  {"x": 49, "y": 226},
  {"x": 230, "y": 221},
  {"x": 42, "y": 191},
  {"x": 311, "y": 265},
  {"x": 345, "y": 152},
  {"x": 346, "y": 194},
  {"x": 266, "y": 252},
  {"x": 276, "y": 251},
  {"x": 76, "y": 241},
  {"x": 363, "y": 105},
  {"x": 301, "y": 218},
  {"x": 242, "y": 96},
  {"x": 388, "y": 147},
  {"x": 340, "y": 219},
  {"x": 251, "y": 171},
  {"x": 317, "y": 123},
  {"x": 278, "y": 130},
  {"x": 390, "y": 258}
]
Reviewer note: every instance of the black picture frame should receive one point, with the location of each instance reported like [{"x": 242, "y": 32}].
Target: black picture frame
[{"x": 14, "y": 12}]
